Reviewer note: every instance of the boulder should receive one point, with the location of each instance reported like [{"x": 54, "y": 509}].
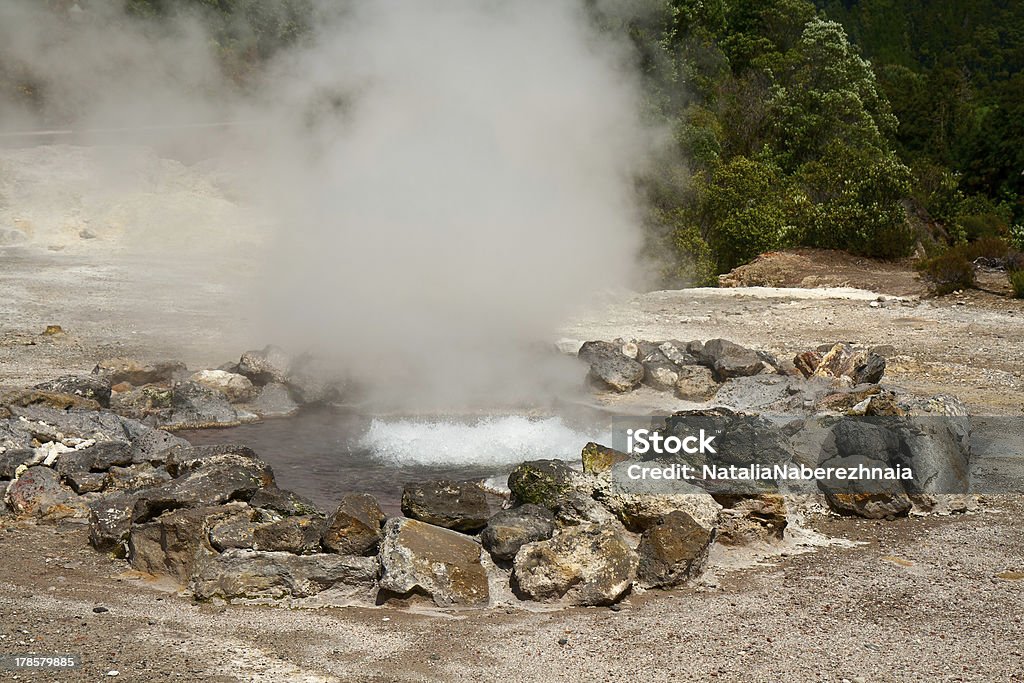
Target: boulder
[
  {"x": 24, "y": 398},
  {"x": 117, "y": 370},
  {"x": 149, "y": 444},
  {"x": 870, "y": 370},
  {"x": 219, "y": 480},
  {"x": 110, "y": 521},
  {"x": 583, "y": 565},
  {"x": 236, "y": 388},
  {"x": 98, "y": 457},
  {"x": 86, "y": 482},
  {"x": 678, "y": 353},
  {"x": 299, "y": 534},
  {"x": 673, "y": 550},
  {"x": 89, "y": 387},
  {"x": 236, "y": 532},
  {"x": 509, "y": 530},
  {"x": 274, "y": 400},
  {"x": 661, "y": 376},
  {"x": 460, "y": 506},
  {"x": 284, "y": 502},
  {"x": 442, "y": 564},
  {"x": 39, "y": 493},
  {"x": 559, "y": 488},
  {"x": 695, "y": 383},
  {"x": 772, "y": 394},
  {"x": 171, "y": 543},
  {"x": 355, "y": 527},
  {"x": 869, "y": 498},
  {"x": 313, "y": 381},
  {"x": 597, "y": 458},
  {"x": 180, "y": 460},
  {"x": 610, "y": 367},
  {"x": 141, "y": 402},
  {"x": 194, "y": 406},
  {"x": 13, "y": 458},
  {"x": 639, "y": 503},
  {"x": 46, "y": 423},
  {"x": 266, "y": 366},
  {"x": 241, "y": 575},
  {"x": 134, "y": 477},
  {"x": 728, "y": 359},
  {"x": 937, "y": 449}
]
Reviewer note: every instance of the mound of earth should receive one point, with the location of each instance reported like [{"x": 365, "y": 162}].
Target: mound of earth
[{"x": 813, "y": 268}]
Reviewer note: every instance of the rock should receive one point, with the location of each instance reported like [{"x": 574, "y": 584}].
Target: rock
[
  {"x": 99, "y": 457},
  {"x": 444, "y": 565},
  {"x": 236, "y": 532},
  {"x": 727, "y": 359},
  {"x": 661, "y": 376},
  {"x": 507, "y": 531},
  {"x": 870, "y": 370},
  {"x": 135, "y": 477},
  {"x": 266, "y": 366},
  {"x": 695, "y": 383},
  {"x": 136, "y": 373},
  {"x": 141, "y": 402},
  {"x": 218, "y": 480},
  {"x": 86, "y": 482},
  {"x": 678, "y": 353},
  {"x": 284, "y": 502},
  {"x": 869, "y": 498},
  {"x": 180, "y": 460},
  {"x": 171, "y": 543},
  {"x": 937, "y": 449},
  {"x": 583, "y": 565},
  {"x": 194, "y": 406},
  {"x": 559, "y": 488},
  {"x": 355, "y": 527},
  {"x": 299, "y": 534},
  {"x": 673, "y": 550},
  {"x": 24, "y": 398},
  {"x": 110, "y": 520},
  {"x": 151, "y": 445},
  {"x": 235, "y": 387},
  {"x": 597, "y": 458},
  {"x": 453, "y": 505},
  {"x": 254, "y": 575},
  {"x": 45, "y": 423},
  {"x": 88, "y": 386},
  {"x": 773, "y": 394},
  {"x": 274, "y": 400},
  {"x": 11, "y": 459},
  {"x": 758, "y": 519},
  {"x": 313, "y": 381},
  {"x": 38, "y": 493},
  {"x": 639, "y": 503},
  {"x": 610, "y": 367}
]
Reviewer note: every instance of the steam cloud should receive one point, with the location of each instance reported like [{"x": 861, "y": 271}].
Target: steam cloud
[{"x": 446, "y": 181}]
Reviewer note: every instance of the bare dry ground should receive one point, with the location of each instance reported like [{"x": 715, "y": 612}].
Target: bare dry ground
[{"x": 920, "y": 599}]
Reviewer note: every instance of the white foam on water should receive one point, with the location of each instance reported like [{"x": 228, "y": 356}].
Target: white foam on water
[{"x": 489, "y": 441}]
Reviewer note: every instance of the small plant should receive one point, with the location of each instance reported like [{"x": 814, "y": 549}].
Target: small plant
[
  {"x": 948, "y": 272},
  {"x": 1017, "y": 282}
]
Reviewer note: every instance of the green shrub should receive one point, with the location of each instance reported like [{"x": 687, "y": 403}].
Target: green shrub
[
  {"x": 948, "y": 272},
  {"x": 1017, "y": 282},
  {"x": 983, "y": 225},
  {"x": 986, "y": 247}
]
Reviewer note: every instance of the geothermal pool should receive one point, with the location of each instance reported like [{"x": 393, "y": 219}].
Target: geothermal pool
[{"x": 324, "y": 454}]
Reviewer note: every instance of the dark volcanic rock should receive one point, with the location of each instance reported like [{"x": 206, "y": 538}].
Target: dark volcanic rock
[
  {"x": 194, "y": 406},
  {"x": 597, "y": 458},
  {"x": 135, "y": 477},
  {"x": 25, "y": 398},
  {"x": 584, "y": 565},
  {"x": 870, "y": 370},
  {"x": 695, "y": 383},
  {"x": 559, "y": 488},
  {"x": 454, "y": 505},
  {"x": 284, "y": 502},
  {"x": 297, "y": 534},
  {"x": 269, "y": 365},
  {"x": 758, "y": 519},
  {"x": 870, "y": 498},
  {"x": 728, "y": 359},
  {"x": 673, "y": 550},
  {"x": 170, "y": 544},
  {"x": 110, "y": 520},
  {"x": 274, "y": 400},
  {"x": 11, "y": 459},
  {"x": 355, "y": 527},
  {"x": 507, "y": 531},
  {"x": 99, "y": 457},
  {"x": 442, "y": 564},
  {"x": 88, "y": 386},
  {"x": 181, "y": 460}
]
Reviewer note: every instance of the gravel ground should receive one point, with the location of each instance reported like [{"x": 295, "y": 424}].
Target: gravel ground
[{"x": 936, "y": 599}]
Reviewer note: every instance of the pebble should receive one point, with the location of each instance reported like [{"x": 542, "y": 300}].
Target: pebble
[{"x": 100, "y": 609}]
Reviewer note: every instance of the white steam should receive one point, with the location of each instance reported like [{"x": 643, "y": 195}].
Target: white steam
[{"x": 446, "y": 181}]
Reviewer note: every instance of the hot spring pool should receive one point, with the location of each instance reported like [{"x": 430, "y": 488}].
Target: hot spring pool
[{"x": 324, "y": 454}]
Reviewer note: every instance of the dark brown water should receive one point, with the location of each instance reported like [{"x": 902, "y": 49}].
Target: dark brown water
[{"x": 324, "y": 454}]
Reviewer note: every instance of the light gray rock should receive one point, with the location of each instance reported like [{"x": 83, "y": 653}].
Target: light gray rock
[
  {"x": 582, "y": 565},
  {"x": 236, "y": 388},
  {"x": 194, "y": 406},
  {"x": 610, "y": 367},
  {"x": 442, "y": 564},
  {"x": 266, "y": 366},
  {"x": 274, "y": 400},
  {"x": 250, "y": 575}
]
